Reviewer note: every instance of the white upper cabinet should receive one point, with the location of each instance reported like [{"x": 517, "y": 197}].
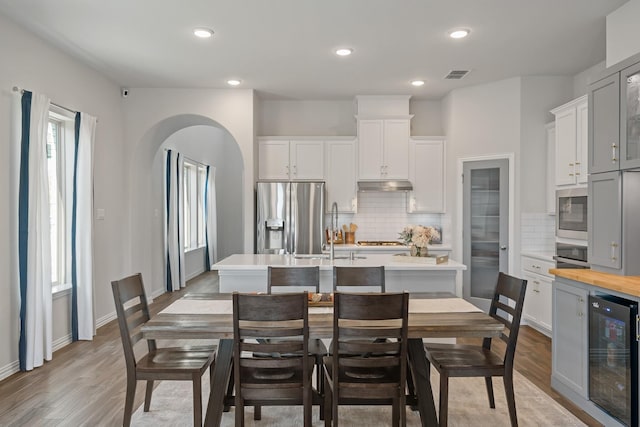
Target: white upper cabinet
[
  {"x": 383, "y": 147},
  {"x": 283, "y": 159},
  {"x": 426, "y": 173},
  {"x": 340, "y": 174},
  {"x": 572, "y": 142}
]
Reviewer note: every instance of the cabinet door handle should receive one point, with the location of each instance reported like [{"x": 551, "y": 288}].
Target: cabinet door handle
[
  {"x": 295, "y": 169},
  {"x": 570, "y": 164},
  {"x": 287, "y": 170},
  {"x": 613, "y": 153},
  {"x": 577, "y": 163},
  {"x": 614, "y": 245}
]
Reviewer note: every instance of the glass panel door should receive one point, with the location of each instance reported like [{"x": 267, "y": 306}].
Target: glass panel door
[{"x": 485, "y": 230}]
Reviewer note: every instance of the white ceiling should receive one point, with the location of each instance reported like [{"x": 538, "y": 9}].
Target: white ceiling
[{"x": 284, "y": 48}]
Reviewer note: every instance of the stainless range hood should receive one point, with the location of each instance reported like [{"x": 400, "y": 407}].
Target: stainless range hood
[{"x": 399, "y": 185}]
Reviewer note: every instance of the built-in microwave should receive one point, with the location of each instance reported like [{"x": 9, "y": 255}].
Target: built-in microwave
[{"x": 571, "y": 213}]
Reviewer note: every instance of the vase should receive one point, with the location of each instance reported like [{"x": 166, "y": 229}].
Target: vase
[{"x": 419, "y": 251}]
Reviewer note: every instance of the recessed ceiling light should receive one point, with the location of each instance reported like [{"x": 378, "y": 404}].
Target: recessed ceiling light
[
  {"x": 233, "y": 82},
  {"x": 417, "y": 82},
  {"x": 459, "y": 33},
  {"x": 345, "y": 51},
  {"x": 203, "y": 33}
]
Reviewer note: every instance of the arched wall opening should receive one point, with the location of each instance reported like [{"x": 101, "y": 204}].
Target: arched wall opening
[{"x": 201, "y": 139}]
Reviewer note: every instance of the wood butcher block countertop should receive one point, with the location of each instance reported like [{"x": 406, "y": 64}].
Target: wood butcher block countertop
[{"x": 629, "y": 285}]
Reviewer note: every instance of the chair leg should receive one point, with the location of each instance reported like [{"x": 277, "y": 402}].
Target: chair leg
[
  {"x": 444, "y": 400},
  {"x": 257, "y": 413},
  {"x": 489, "y": 384},
  {"x": 411, "y": 386},
  {"x": 229, "y": 389},
  {"x": 328, "y": 405},
  {"x": 511, "y": 399},
  {"x": 197, "y": 400},
  {"x": 395, "y": 413},
  {"x": 403, "y": 409},
  {"x": 320, "y": 384},
  {"x": 306, "y": 401},
  {"x": 147, "y": 395},
  {"x": 128, "y": 401},
  {"x": 239, "y": 410}
]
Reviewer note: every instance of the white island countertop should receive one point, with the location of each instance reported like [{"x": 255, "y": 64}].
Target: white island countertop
[{"x": 390, "y": 262}]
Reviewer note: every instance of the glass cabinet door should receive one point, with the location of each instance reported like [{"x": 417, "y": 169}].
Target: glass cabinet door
[
  {"x": 630, "y": 115},
  {"x": 485, "y": 231}
]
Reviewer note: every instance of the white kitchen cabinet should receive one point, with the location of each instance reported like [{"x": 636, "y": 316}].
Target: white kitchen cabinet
[
  {"x": 570, "y": 336},
  {"x": 383, "y": 147},
  {"x": 571, "y": 128},
  {"x": 537, "y": 302},
  {"x": 284, "y": 159},
  {"x": 340, "y": 173},
  {"x": 550, "y": 130},
  {"x": 427, "y": 174}
]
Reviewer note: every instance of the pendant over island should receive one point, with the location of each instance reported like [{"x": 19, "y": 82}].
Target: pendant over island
[{"x": 248, "y": 272}]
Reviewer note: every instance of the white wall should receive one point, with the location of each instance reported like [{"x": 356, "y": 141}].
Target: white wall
[
  {"x": 427, "y": 118},
  {"x": 306, "y": 118},
  {"x": 31, "y": 63},
  {"x": 151, "y": 116},
  {"x": 622, "y": 32},
  {"x": 539, "y": 95},
  {"x": 582, "y": 80},
  {"x": 482, "y": 120}
]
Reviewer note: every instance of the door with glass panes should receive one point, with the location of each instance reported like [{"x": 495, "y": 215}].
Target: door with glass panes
[{"x": 485, "y": 233}]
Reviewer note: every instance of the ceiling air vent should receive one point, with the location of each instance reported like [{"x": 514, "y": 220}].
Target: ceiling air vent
[{"x": 456, "y": 74}]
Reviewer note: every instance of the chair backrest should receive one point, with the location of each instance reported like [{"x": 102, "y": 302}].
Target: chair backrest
[
  {"x": 307, "y": 278},
  {"x": 132, "y": 317},
  {"x": 369, "y": 335},
  {"x": 506, "y": 307},
  {"x": 283, "y": 316},
  {"x": 355, "y": 277}
]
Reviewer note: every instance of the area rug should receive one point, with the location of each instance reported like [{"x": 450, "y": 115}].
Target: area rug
[{"x": 172, "y": 405}]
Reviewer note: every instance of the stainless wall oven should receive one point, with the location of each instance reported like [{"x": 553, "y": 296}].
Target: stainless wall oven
[
  {"x": 571, "y": 213},
  {"x": 571, "y": 256}
]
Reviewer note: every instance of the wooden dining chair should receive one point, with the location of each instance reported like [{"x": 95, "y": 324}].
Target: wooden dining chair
[
  {"x": 363, "y": 370},
  {"x": 303, "y": 278},
  {"x": 186, "y": 363},
  {"x": 354, "y": 278},
  {"x": 455, "y": 360},
  {"x": 272, "y": 380}
]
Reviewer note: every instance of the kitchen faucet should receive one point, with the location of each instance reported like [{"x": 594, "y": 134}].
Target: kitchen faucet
[{"x": 334, "y": 227}]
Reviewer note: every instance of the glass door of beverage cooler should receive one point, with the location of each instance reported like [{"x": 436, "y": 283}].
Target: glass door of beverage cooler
[
  {"x": 485, "y": 230},
  {"x": 613, "y": 357}
]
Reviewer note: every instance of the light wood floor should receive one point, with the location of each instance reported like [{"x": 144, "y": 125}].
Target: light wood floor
[{"x": 84, "y": 384}]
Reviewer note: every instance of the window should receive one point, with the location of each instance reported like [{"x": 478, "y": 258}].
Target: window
[
  {"x": 194, "y": 192},
  {"x": 60, "y": 176}
]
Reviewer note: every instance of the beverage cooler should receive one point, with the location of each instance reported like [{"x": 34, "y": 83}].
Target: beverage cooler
[{"x": 613, "y": 357}]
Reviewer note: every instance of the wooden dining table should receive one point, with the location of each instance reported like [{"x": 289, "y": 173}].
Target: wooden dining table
[{"x": 431, "y": 315}]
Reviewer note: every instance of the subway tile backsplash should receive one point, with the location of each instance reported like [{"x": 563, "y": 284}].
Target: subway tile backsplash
[
  {"x": 538, "y": 232},
  {"x": 382, "y": 215}
]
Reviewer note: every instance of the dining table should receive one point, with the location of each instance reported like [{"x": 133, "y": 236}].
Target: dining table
[{"x": 431, "y": 315}]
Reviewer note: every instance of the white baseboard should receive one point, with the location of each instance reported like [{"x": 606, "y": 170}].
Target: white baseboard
[
  {"x": 61, "y": 342},
  {"x": 195, "y": 274},
  {"x": 10, "y": 369},
  {"x": 106, "y": 319}
]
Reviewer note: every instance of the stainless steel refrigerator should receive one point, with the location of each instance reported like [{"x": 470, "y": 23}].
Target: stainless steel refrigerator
[{"x": 289, "y": 217}]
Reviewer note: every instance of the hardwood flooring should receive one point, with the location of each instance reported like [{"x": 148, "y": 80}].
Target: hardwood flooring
[{"x": 84, "y": 384}]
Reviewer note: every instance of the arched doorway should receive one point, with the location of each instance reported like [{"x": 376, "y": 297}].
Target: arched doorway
[{"x": 203, "y": 140}]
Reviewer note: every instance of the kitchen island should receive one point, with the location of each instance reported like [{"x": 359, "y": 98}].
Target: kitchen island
[{"x": 248, "y": 272}]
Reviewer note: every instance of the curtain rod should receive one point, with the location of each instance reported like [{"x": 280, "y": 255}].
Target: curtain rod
[
  {"x": 187, "y": 158},
  {"x": 17, "y": 89}
]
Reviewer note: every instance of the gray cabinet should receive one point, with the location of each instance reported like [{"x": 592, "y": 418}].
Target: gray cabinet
[
  {"x": 630, "y": 117},
  {"x": 604, "y": 125},
  {"x": 604, "y": 222},
  {"x": 570, "y": 337},
  {"x": 614, "y": 229}
]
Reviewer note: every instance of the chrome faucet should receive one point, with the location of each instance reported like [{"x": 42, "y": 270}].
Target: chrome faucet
[{"x": 334, "y": 227}]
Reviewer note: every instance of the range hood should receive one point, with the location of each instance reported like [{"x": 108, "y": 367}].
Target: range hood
[{"x": 399, "y": 185}]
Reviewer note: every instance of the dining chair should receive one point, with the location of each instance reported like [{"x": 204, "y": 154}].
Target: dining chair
[
  {"x": 354, "y": 278},
  {"x": 301, "y": 278},
  {"x": 272, "y": 380},
  {"x": 362, "y": 370},
  {"x": 187, "y": 363},
  {"x": 456, "y": 360}
]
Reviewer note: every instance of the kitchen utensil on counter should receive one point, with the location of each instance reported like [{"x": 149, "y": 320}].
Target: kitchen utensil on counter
[{"x": 350, "y": 237}]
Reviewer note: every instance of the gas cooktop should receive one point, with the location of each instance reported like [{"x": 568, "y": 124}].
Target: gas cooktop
[{"x": 380, "y": 243}]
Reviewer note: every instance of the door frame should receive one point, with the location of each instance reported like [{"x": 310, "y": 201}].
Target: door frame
[{"x": 510, "y": 157}]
